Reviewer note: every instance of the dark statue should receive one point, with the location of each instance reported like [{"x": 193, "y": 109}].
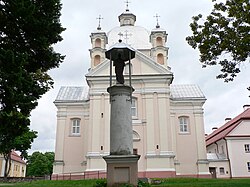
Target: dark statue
[{"x": 119, "y": 67}]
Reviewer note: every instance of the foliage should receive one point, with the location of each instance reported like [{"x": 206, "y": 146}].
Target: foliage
[
  {"x": 143, "y": 184},
  {"x": 40, "y": 164},
  {"x": 100, "y": 183},
  {"x": 223, "y": 38},
  {"x": 103, "y": 183},
  {"x": 28, "y": 29},
  {"x": 51, "y": 157},
  {"x": 20, "y": 139}
]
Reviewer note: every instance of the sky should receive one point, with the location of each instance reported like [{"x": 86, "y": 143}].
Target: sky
[{"x": 80, "y": 19}]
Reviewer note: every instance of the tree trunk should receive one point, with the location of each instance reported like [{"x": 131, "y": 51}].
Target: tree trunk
[{"x": 7, "y": 166}]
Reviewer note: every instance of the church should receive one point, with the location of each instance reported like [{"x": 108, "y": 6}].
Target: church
[{"x": 167, "y": 119}]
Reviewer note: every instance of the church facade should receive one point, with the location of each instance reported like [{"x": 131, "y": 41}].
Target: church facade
[{"x": 167, "y": 119}]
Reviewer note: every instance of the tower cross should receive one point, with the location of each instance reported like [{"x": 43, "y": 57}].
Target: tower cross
[
  {"x": 127, "y": 35},
  {"x": 120, "y": 35},
  {"x": 99, "y": 22},
  {"x": 127, "y": 2},
  {"x": 157, "y": 21}
]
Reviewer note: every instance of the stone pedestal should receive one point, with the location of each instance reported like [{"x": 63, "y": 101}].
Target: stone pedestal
[
  {"x": 122, "y": 166},
  {"x": 122, "y": 169}
]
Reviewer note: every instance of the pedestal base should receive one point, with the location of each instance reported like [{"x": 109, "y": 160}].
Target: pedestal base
[{"x": 122, "y": 169}]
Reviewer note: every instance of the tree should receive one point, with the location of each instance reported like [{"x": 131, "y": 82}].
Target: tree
[
  {"x": 28, "y": 29},
  {"x": 21, "y": 143},
  {"x": 40, "y": 164},
  {"x": 223, "y": 38},
  {"x": 51, "y": 157}
]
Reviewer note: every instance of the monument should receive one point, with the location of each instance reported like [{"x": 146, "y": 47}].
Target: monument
[{"x": 122, "y": 165}]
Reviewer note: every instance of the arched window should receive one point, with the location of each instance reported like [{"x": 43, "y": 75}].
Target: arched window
[
  {"x": 98, "y": 42},
  {"x": 97, "y": 60},
  {"x": 127, "y": 22},
  {"x": 136, "y": 136},
  {"x": 160, "y": 58},
  {"x": 75, "y": 126},
  {"x": 183, "y": 124},
  {"x": 159, "y": 41}
]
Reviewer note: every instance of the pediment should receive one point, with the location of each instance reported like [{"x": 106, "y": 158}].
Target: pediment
[
  {"x": 141, "y": 65},
  {"x": 241, "y": 129}
]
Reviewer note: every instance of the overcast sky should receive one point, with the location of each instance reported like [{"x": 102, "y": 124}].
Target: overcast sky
[{"x": 79, "y": 18}]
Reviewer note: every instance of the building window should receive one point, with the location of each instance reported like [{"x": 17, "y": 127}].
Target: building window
[
  {"x": 75, "y": 127},
  {"x": 127, "y": 22},
  {"x": 183, "y": 123},
  {"x": 97, "y": 60},
  {"x": 248, "y": 166},
  {"x": 134, "y": 107},
  {"x": 98, "y": 42},
  {"x": 247, "y": 148},
  {"x": 160, "y": 58},
  {"x": 136, "y": 136},
  {"x": 222, "y": 171},
  {"x": 159, "y": 41}
]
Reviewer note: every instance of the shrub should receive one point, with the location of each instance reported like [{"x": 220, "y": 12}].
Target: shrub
[
  {"x": 100, "y": 183},
  {"x": 143, "y": 184}
]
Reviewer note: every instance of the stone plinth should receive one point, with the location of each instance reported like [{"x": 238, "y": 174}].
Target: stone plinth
[{"x": 122, "y": 169}]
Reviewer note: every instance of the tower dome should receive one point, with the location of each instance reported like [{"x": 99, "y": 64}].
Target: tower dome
[{"x": 136, "y": 36}]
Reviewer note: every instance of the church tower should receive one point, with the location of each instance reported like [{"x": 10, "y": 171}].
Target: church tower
[
  {"x": 158, "y": 39},
  {"x": 98, "y": 41}
]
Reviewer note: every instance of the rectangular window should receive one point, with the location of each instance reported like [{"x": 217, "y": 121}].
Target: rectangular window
[
  {"x": 183, "y": 122},
  {"x": 248, "y": 166},
  {"x": 134, "y": 107},
  {"x": 247, "y": 148},
  {"x": 75, "y": 126},
  {"x": 222, "y": 171}
]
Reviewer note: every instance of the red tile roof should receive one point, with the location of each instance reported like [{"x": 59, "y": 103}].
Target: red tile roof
[
  {"x": 224, "y": 130},
  {"x": 16, "y": 157}
]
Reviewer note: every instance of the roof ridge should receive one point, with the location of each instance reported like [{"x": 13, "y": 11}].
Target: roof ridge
[{"x": 232, "y": 123}]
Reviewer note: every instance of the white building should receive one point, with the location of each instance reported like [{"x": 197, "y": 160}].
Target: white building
[
  {"x": 228, "y": 147},
  {"x": 168, "y": 129}
]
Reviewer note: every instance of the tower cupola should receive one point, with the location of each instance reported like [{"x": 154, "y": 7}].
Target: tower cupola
[
  {"x": 127, "y": 18},
  {"x": 99, "y": 40},
  {"x": 158, "y": 39}
]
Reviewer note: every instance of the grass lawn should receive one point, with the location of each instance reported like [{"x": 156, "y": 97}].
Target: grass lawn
[
  {"x": 48, "y": 183},
  {"x": 181, "y": 182},
  {"x": 194, "y": 182}
]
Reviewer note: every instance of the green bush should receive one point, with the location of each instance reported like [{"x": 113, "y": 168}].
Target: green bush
[
  {"x": 100, "y": 183},
  {"x": 143, "y": 184}
]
